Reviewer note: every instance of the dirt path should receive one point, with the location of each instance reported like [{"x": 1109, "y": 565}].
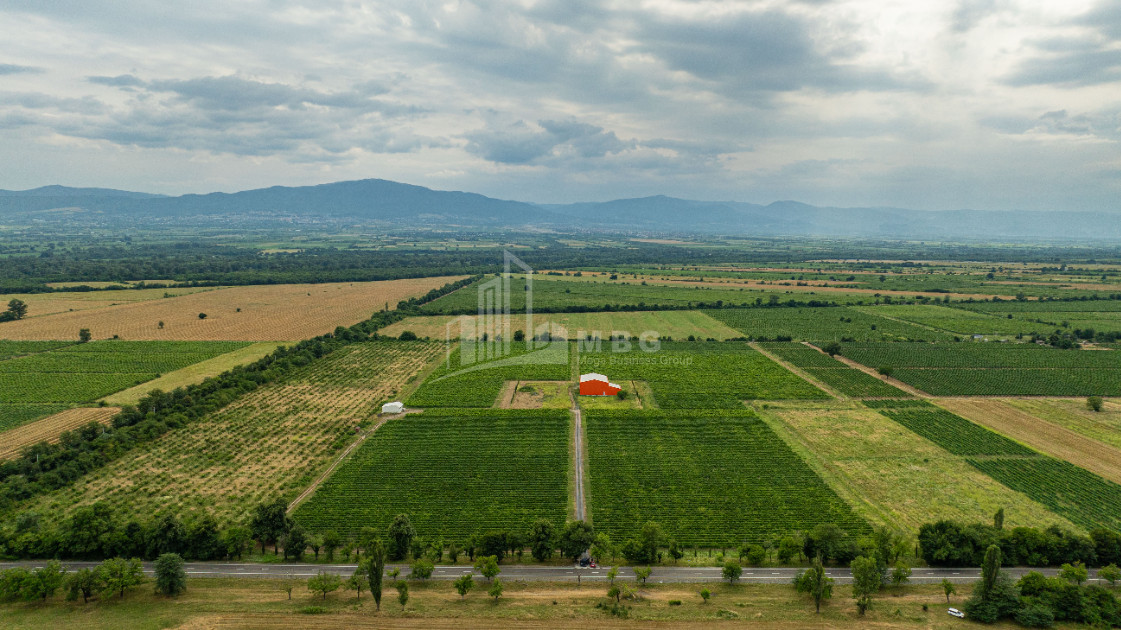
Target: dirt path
[
  {"x": 1039, "y": 434},
  {"x": 578, "y": 459},
  {"x": 799, "y": 371},
  {"x": 869, "y": 371}
]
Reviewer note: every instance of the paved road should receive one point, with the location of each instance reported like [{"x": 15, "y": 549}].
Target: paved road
[{"x": 536, "y": 573}]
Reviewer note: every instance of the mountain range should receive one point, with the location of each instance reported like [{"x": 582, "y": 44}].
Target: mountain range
[{"x": 382, "y": 202}]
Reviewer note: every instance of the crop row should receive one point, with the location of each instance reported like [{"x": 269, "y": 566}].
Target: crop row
[
  {"x": 9, "y": 348},
  {"x": 459, "y": 382},
  {"x": 454, "y": 476},
  {"x": 714, "y": 375},
  {"x": 956, "y": 434},
  {"x": 1014, "y": 382},
  {"x": 17, "y": 414},
  {"x": 820, "y": 324},
  {"x": 707, "y": 479},
  {"x": 977, "y": 355},
  {"x": 1081, "y": 496},
  {"x": 846, "y": 380}
]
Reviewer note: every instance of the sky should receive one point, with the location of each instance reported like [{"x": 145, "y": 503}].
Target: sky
[{"x": 925, "y": 104}]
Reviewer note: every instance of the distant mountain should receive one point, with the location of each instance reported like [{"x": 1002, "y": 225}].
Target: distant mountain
[{"x": 403, "y": 205}]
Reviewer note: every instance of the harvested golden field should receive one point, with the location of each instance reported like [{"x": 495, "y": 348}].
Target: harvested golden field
[
  {"x": 250, "y": 313},
  {"x": 269, "y": 443},
  {"x": 893, "y": 476},
  {"x": 40, "y": 304},
  {"x": 1039, "y": 434},
  {"x": 676, "y": 324},
  {"x": 48, "y": 429}
]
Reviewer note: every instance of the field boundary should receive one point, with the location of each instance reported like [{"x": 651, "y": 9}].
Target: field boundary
[
  {"x": 869, "y": 371},
  {"x": 797, "y": 371}
]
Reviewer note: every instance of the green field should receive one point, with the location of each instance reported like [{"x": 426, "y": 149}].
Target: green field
[
  {"x": 585, "y": 294},
  {"x": 709, "y": 479},
  {"x": 460, "y": 383},
  {"x": 701, "y": 375},
  {"x": 1001, "y": 322},
  {"x": 456, "y": 473},
  {"x": 995, "y": 369},
  {"x": 822, "y": 324},
  {"x": 40, "y": 378},
  {"x": 844, "y": 379},
  {"x": 1081, "y": 496}
]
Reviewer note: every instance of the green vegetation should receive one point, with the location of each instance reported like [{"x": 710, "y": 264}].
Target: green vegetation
[
  {"x": 956, "y": 434},
  {"x": 456, "y": 473},
  {"x": 460, "y": 383},
  {"x": 844, "y": 379},
  {"x": 991, "y": 369},
  {"x": 819, "y": 324},
  {"x": 707, "y": 477},
  {"x": 702, "y": 375}
]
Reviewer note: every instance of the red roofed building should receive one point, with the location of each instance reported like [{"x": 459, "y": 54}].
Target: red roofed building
[{"x": 593, "y": 384}]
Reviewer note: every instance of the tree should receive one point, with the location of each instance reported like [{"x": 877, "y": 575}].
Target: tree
[
  {"x": 82, "y": 582},
  {"x": 832, "y": 348},
  {"x": 375, "y": 569},
  {"x": 1094, "y": 403},
  {"x": 998, "y": 519},
  {"x": 901, "y": 574},
  {"x": 814, "y": 582},
  {"x": 402, "y": 593},
  {"x": 17, "y": 308},
  {"x": 84, "y": 335},
  {"x": 117, "y": 575},
  {"x": 1075, "y": 573},
  {"x": 990, "y": 569},
  {"x": 487, "y": 566},
  {"x": 675, "y": 551},
  {"x": 464, "y": 584},
  {"x": 202, "y": 315},
  {"x": 495, "y": 589},
  {"x": 357, "y": 581},
  {"x": 269, "y": 523},
  {"x": 331, "y": 542},
  {"x": 705, "y": 594},
  {"x": 542, "y": 539},
  {"x": 44, "y": 581},
  {"x": 575, "y": 539},
  {"x": 731, "y": 572},
  {"x": 886, "y": 370},
  {"x": 948, "y": 588},
  {"x": 315, "y": 541},
  {"x": 866, "y": 581},
  {"x": 788, "y": 547},
  {"x": 401, "y": 534},
  {"x": 1110, "y": 574},
  {"x": 324, "y": 583},
  {"x": 171, "y": 579},
  {"x": 613, "y": 573},
  {"x": 642, "y": 573},
  {"x": 755, "y": 555},
  {"x": 603, "y": 547},
  {"x": 295, "y": 542},
  {"x": 236, "y": 540},
  {"x": 421, "y": 569}
]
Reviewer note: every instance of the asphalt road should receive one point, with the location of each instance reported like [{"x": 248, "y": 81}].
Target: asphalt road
[{"x": 537, "y": 573}]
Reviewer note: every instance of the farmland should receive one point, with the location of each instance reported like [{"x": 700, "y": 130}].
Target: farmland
[
  {"x": 994, "y": 321},
  {"x": 890, "y": 476},
  {"x": 477, "y": 471},
  {"x": 271, "y": 442},
  {"x": 1103, "y": 426},
  {"x": 673, "y": 324},
  {"x": 706, "y": 477},
  {"x": 465, "y": 379},
  {"x": 1081, "y": 496},
  {"x": 248, "y": 313},
  {"x": 71, "y": 374},
  {"x": 844, "y": 379},
  {"x": 990, "y": 369},
  {"x": 48, "y": 429},
  {"x": 822, "y": 324},
  {"x": 687, "y": 375}
]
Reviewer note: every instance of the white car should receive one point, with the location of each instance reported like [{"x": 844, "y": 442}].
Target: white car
[{"x": 956, "y": 613}]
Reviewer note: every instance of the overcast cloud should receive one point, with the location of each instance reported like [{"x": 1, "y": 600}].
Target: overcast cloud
[{"x": 989, "y": 104}]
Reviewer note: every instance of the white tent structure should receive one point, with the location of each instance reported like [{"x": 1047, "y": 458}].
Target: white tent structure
[{"x": 393, "y": 407}]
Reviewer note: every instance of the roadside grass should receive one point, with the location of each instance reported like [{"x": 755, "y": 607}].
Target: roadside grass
[{"x": 264, "y": 603}]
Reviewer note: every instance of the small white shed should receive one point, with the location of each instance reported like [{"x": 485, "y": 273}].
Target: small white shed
[{"x": 393, "y": 407}]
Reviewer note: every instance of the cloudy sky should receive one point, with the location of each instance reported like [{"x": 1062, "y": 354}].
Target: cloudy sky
[{"x": 989, "y": 104}]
